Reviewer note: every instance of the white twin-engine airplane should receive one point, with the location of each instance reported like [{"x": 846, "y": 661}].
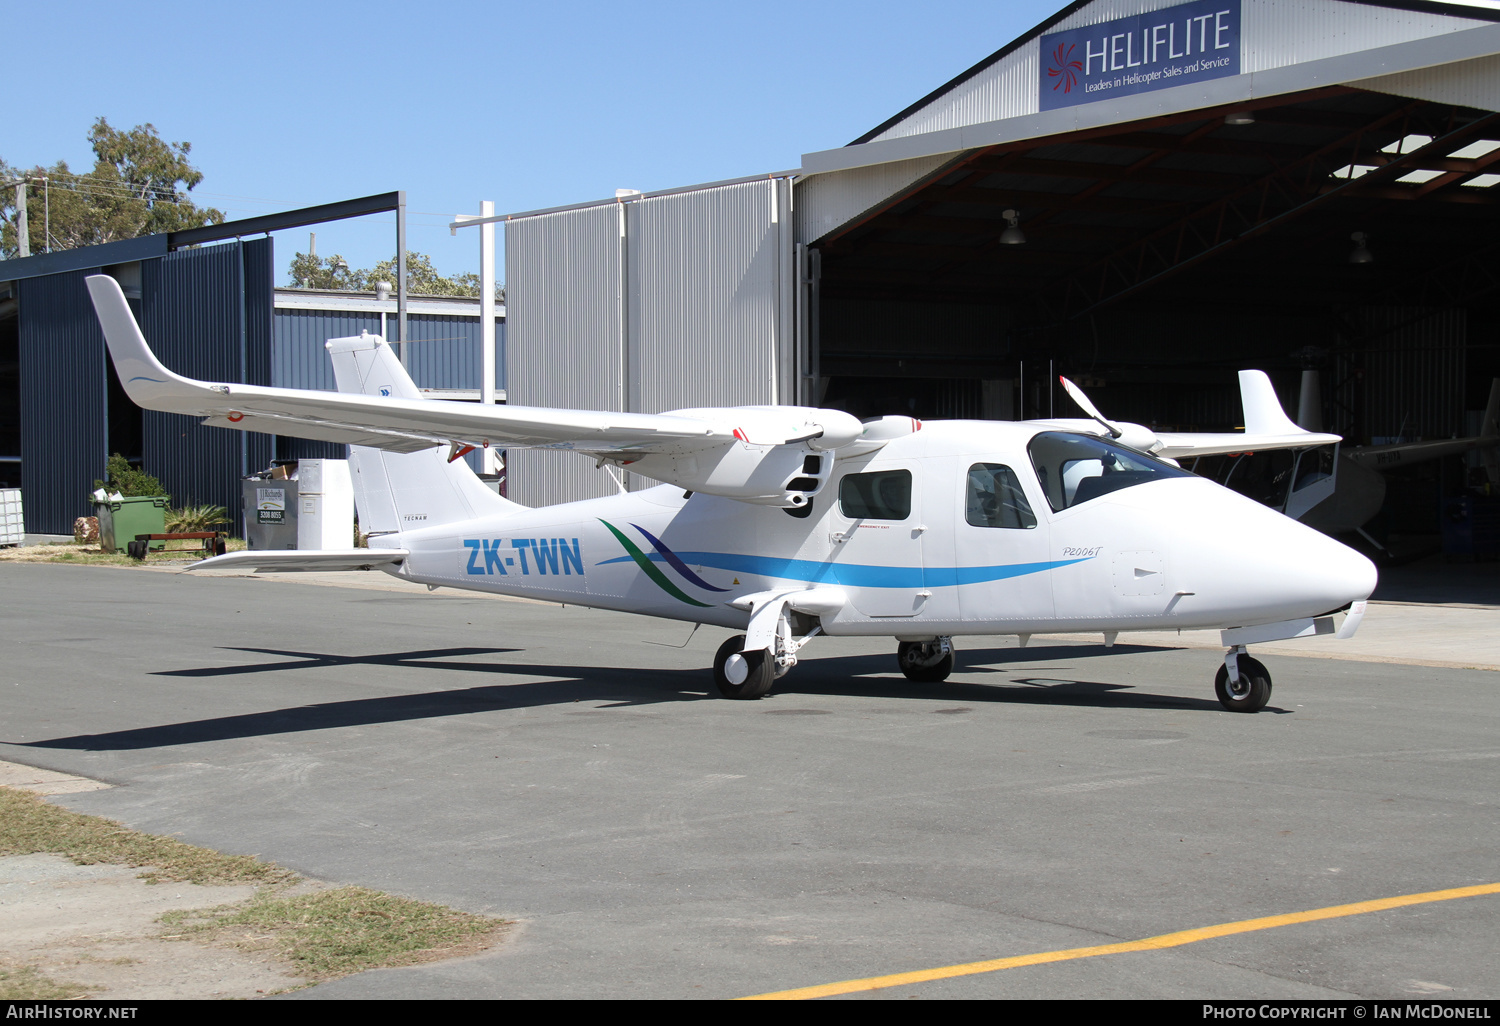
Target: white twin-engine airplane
[{"x": 786, "y": 522}]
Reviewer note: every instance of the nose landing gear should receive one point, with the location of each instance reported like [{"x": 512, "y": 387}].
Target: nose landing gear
[
  {"x": 1243, "y": 684},
  {"x": 926, "y": 662}
]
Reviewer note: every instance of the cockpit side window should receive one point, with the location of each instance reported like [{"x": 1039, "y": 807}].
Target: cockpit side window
[
  {"x": 1075, "y": 468},
  {"x": 993, "y": 498},
  {"x": 882, "y": 495}
]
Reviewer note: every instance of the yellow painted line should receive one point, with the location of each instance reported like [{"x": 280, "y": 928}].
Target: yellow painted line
[{"x": 1166, "y": 940}]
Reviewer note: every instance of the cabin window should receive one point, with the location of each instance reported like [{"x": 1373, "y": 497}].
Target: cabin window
[
  {"x": 1075, "y": 468},
  {"x": 883, "y": 495},
  {"x": 993, "y": 498}
]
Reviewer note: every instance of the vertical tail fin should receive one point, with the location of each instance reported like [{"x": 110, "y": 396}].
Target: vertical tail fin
[
  {"x": 404, "y": 491},
  {"x": 1263, "y": 412}
]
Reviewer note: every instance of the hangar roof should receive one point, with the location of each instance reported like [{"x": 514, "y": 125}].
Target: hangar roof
[
  {"x": 1264, "y": 208},
  {"x": 1282, "y": 47}
]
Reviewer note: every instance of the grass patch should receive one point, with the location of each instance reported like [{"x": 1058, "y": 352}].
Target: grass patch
[
  {"x": 321, "y": 934},
  {"x": 29, "y": 825},
  {"x": 27, "y": 983},
  {"x": 326, "y": 934}
]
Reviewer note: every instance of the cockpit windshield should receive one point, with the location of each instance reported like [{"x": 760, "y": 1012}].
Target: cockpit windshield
[{"x": 1075, "y": 468}]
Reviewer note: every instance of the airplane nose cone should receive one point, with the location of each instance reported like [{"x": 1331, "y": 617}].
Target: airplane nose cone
[
  {"x": 1245, "y": 563},
  {"x": 1303, "y": 571},
  {"x": 1333, "y": 573}
]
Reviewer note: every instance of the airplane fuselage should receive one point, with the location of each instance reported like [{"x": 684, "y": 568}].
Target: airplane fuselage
[{"x": 916, "y": 543}]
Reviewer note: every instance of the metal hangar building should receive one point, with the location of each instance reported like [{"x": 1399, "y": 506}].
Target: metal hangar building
[
  {"x": 1146, "y": 195},
  {"x": 206, "y": 299}
]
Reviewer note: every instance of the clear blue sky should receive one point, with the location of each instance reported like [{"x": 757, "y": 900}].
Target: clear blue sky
[{"x": 530, "y": 105}]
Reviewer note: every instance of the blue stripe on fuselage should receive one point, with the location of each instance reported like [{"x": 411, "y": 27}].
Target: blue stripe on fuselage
[{"x": 858, "y": 575}]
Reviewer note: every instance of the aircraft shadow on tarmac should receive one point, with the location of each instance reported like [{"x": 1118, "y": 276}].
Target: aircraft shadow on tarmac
[{"x": 852, "y": 676}]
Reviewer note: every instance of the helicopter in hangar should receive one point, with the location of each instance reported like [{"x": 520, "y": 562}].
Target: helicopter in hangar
[{"x": 788, "y": 522}]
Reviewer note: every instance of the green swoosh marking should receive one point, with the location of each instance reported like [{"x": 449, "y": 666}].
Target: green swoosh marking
[{"x": 650, "y": 568}]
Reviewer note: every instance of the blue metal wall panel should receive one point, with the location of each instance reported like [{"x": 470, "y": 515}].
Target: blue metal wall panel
[
  {"x": 298, "y": 359},
  {"x": 444, "y": 348},
  {"x": 64, "y": 399},
  {"x": 445, "y": 351},
  {"x": 207, "y": 312},
  {"x": 444, "y": 354}
]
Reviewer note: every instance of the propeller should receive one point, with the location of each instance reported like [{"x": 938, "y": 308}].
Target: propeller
[{"x": 1088, "y": 407}]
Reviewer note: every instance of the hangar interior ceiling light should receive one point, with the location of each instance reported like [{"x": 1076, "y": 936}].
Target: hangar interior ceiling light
[
  {"x": 1407, "y": 143},
  {"x": 1361, "y": 254},
  {"x": 1240, "y": 117},
  {"x": 1419, "y": 176},
  {"x": 1012, "y": 236},
  {"x": 1475, "y": 150}
]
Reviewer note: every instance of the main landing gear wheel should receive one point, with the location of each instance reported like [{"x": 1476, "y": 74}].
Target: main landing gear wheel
[
  {"x": 1248, "y": 694},
  {"x": 742, "y": 674},
  {"x": 926, "y": 662}
]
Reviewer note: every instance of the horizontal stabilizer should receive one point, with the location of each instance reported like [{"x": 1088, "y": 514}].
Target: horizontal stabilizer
[{"x": 303, "y": 560}]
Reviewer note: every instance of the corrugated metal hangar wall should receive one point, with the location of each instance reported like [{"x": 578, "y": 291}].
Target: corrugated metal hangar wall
[
  {"x": 648, "y": 303},
  {"x": 209, "y": 313}
]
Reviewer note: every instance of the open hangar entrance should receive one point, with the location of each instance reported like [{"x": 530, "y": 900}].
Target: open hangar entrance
[{"x": 1162, "y": 255}]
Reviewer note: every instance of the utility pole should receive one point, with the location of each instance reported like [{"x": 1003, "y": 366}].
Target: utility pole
[
  {"x": 401, "y": 274},
  {"x": 487, "y": 322},
  {"x": 23, "y": 233}
]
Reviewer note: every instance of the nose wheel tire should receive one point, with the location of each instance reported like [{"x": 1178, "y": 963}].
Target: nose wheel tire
[
  {"x": 924, "y": 662},
  {"x": 1250, "y": 693},
  {"x": 742, "y": 674}
]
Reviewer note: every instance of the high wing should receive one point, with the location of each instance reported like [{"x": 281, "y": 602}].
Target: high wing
[
  {"x": 752, "y": 453},
  {"x": 407, "y": 425},
  {"x": 1266, "y": 426}
]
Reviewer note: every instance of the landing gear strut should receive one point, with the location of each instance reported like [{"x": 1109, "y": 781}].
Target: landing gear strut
[
  {"x": 926, "y": 662},
  {"x": 1250, "y": 688}
]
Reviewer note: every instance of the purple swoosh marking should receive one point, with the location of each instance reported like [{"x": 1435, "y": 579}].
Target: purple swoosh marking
[{"x": 673, "y": 561}]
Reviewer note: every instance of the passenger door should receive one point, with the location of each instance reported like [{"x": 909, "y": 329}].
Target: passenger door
[
  {"x": 1003, "y": 544},
  {"x": 875, "y": 538}
]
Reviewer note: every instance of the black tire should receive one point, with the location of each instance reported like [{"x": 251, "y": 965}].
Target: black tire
[
  {"x": 909, "y": 656},
  {"x": 220, "y": 547},
  {"x": 761, "y": 676},
  {"x": 1254, "y": 689},
  {"x": 136, "y": 549}
]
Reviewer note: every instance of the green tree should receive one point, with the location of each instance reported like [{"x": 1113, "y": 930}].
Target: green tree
[
  {"x": 139, "y": 186},
  {"x": 422, "y": 279},
  {"x": 325, "y": 273}
]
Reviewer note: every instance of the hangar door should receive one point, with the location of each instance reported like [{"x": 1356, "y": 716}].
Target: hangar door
[{"x": 647, "y": 303}]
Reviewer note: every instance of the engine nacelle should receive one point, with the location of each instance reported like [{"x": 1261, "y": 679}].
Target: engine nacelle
[{"x": 768, "y": 475}]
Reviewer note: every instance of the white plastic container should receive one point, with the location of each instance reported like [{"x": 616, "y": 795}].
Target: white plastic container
[
  {"x": 325, "y": 505},
  {"x": 12, "y": 523}
]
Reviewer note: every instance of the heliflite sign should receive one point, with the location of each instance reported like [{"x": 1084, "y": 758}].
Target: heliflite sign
[{"x": 1172, "y": 46}]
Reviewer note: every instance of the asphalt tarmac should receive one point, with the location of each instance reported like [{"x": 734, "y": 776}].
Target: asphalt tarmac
[{"x": 566, "y": 768}]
